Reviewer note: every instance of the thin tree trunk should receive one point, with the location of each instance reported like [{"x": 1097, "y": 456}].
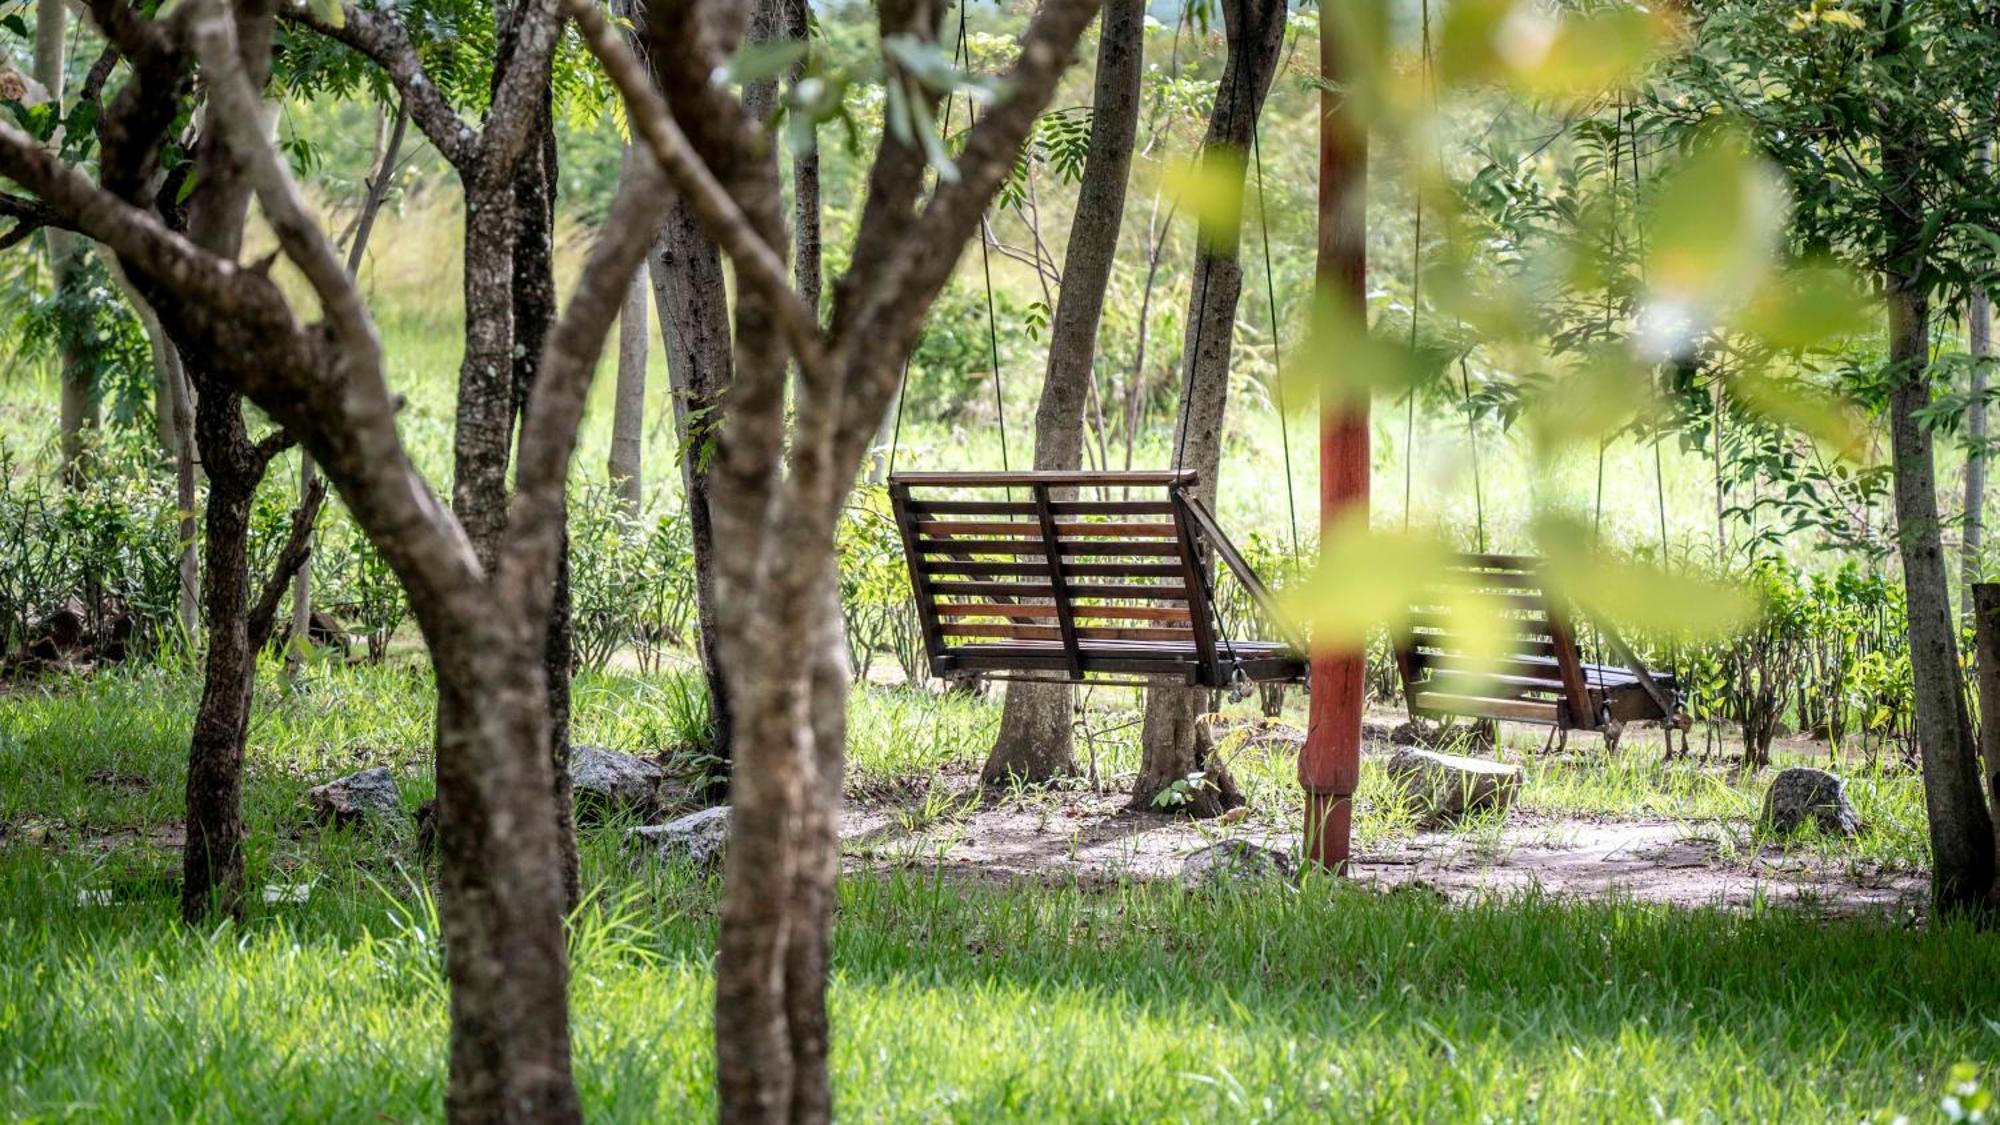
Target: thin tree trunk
[
  {"x": 388, "y": 148},
  {"x": 1170, "y": 747},
  {"x": 628, "y": 411},
  {"x": 1036, "y": 742},
  {"x": 1961, "y": 829},
  {"x": 692, "y": 301},
  {"x": 1979, "y": 329},
  {"x": 212, "y": 858},
  {"x": 79, "y": 398}
]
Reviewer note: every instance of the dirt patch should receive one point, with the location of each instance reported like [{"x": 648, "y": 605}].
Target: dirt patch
[{"x": 1092, "y": 838}]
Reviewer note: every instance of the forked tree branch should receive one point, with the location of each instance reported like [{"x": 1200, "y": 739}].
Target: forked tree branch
[
  {"x": 524, "y": 80},
  {"x": 757, "y": 265},
  {"x": 382, "y": 38}
]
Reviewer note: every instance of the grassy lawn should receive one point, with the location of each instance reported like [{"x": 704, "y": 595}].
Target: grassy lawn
[{"x": 953, "y": 999}]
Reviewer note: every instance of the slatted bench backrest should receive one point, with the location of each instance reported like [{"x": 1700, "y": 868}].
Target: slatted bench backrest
[
  {"x": 1539, "y": 677},
  {"x": 1104, "y": 585}
]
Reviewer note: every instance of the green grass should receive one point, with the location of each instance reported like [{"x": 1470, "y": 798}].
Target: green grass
[
  {"x": 961, "y": 1002},
  {"x": 952, "y": 999}
]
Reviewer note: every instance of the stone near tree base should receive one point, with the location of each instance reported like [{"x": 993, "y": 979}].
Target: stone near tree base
[
  {"x": 698, "y": 838},
  {"x": 1801, "y": 793},
  {"x": 1233, "y": 863},
  {"x": 1444, "y": 788},
  {"x": 606, "y": 781},
  {"x": 361, "y": 798}
]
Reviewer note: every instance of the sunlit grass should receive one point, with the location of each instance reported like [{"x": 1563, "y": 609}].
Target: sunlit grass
[{"x": 972, "y": 1003}]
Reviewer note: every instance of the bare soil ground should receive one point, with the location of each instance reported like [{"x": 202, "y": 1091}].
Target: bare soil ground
[{"x": 1092, "y": 837}]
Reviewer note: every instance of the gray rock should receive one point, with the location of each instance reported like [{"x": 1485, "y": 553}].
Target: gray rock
[
  {"x": 698, "y": 838},
  {"x": 1444, "y": 788},
  {"x": 1233, "y": 863},
  {"x": 359, "y": 798},
  {"x": 606, "y": 781},
  {"x": 1801, "y": 793}
]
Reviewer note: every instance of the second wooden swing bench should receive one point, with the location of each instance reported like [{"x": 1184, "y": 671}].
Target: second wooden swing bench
[{"x": 1539, "y": 676}]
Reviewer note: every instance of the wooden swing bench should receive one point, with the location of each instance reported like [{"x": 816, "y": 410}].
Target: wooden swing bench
[
  {"x": 1032, "y": 579},
  {"x": 1540, "y": 677}
]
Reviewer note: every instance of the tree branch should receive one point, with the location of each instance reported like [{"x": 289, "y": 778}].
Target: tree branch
[
  {"x": 29, "y": 216},
  {"x": 236, "y": 107},
  {"x": 757, "y": 265},
  {"x": 524, "y": 79},
  {"x": 382, "y": 38},
  {"x": 526, "y": 569},
  {"x": 298, "y": 547}
]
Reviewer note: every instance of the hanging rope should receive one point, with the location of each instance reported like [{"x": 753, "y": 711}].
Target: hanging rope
[
  {"x": 1277, "y": 349},
  {"x": 962, "y": 57}
]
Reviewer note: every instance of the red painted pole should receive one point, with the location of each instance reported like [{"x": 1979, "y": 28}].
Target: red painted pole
[{"x": 1330, "y": 763}]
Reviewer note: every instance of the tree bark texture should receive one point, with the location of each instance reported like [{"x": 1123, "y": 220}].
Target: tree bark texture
[
  {"x": 1036, "y": 741},
  {"x": 78, "y": 410},
  {"x": 628, "y": 410},
  {"x": 1979, "y": 330},
  {"x": 1961, "y": 828},
  {"x": 1256, "y": 31},
  {"x": 692, "y": 300}
]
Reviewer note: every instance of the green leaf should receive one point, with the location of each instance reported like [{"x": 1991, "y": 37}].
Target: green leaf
[{"x": 762, "y": 62}]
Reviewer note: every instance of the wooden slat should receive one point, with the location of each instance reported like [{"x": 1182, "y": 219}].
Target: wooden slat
[
  {"x": 1048, "y": 610},
  {"x": 997, "y": 568},
  {"x": 1512, "y": 601},
  {"x": 1173, "y": 593},
  {"x": 1455, "y": 643},
  {"x": 1108, "y": 549},
  {"x": 1017, "y": 528},
  {"x": 1137, "y": 633},
  {"x": 924, "y": 509},
  {"x": 1054, "y": 633},
  {"x": 1083, "y": 479},
  {"x": 1516, "y": 563},
  {"x": 1121, "y": 570},
  {"x": 1112, "y": 508},
  {"x": 1543, "y": 668},
  {"x": 1064, "y": 529},
  {"x": 1513, "y": 710},
  {"x": 1077, "y": 590},
  {"x": 1456, "y": 624},
  {"x": 1012, "y": 632},
  {"x": 1494, "y": 686},
  {"x": 986, "y": 568},
  {"x": 996, "y": 609},
  {"x": 1108, "y": 529}
]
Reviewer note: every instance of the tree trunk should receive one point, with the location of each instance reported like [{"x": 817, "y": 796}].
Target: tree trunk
[
  {"x": 1256, "y": 29},
  {"x": 502, "y": 883},
  {"x": 693, "y": 305},
  {"x": 79, "y": 398},
  {"x": 535, "y": 309},
  {"x": 1986, "y": 619},
  {"x": 1979, "y": 323},
  {"x": 212, "y": 859},
  {"x": 628, "y": 411},
  {"x": 1036, "y": 741},
  {"x": 1961, "y": 829}
]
